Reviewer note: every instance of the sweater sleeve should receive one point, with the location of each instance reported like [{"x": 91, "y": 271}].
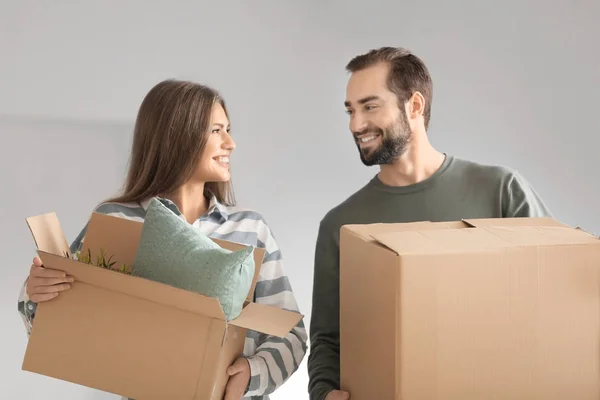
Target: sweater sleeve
[
  {"x": 324, "y": 356},
  {"x": 522, "y": 200},
  {"x": 25, "y": 306},
  {"x": 275, "y": 359}
]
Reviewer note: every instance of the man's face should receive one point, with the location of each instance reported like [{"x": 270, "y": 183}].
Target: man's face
[{"x": 378, "y": 123}]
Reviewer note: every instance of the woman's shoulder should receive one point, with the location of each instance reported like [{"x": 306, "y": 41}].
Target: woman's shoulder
[
  {"x": 240, "y": 214},
  {"x": 133, "y": 211},
  {"x": 248, "y": 219}
]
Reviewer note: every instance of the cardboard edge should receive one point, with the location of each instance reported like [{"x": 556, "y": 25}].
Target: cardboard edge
[
  {"x": 267, "y": 319},
  {"x": 578, "y": 228},
  {"x": 353, "y": 232},
  {"x": 378, "y": 240},
  {"x": 469, "y": 223},
  {"x": 362, "y": 230},
  {"x": 514, "y": 222},
  {"x": 134, "y": 286}
]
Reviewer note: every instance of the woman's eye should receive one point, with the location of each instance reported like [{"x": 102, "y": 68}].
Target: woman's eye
[{"x": 216, "y": 130}]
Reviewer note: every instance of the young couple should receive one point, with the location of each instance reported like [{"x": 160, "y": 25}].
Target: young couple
[{"x": 180, "y": 154}]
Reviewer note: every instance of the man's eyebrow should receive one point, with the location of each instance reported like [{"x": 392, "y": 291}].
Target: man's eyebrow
[{"x": 363, "y": 100}]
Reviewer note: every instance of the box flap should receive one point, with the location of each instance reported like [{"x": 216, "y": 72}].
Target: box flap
[
  {"x": 366, "y": 231},
  {"x": 267, "y": 319},
  {"x": 48, "y": 234},
  {"x": 541, "y": 235},
  {"x": 532, "y": 221},
  {"x": 481, "y": 238},
  {"x": 117, "y": 237},
  {"x": 433, "y": 241},
  {"x": 134, "y": 286}
]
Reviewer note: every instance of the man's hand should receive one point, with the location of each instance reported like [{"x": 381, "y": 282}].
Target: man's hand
[
  {"x": 337, "y": 395},
  {"x": 239, "y": 378}
]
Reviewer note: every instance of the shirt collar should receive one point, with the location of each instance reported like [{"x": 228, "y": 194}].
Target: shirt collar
[{"x": 215, "y": 210}]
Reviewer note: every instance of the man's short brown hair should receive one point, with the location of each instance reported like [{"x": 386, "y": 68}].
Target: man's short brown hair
[{"x": 407, "y": 74}]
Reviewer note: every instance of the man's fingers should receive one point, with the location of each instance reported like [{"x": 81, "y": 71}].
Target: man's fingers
[
  {"x": 38, "y": 298},
  {"x": 37, "y": 261}
]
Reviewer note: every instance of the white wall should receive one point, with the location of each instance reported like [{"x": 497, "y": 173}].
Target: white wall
[{"x": 514, "y": 83}]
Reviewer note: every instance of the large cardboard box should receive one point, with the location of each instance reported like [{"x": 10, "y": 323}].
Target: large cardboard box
[
  {"x": 131, "y": 336},
  {"x": 505, "y": 309}
]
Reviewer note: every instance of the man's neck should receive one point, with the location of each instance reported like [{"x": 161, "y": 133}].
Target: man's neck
[
  {"x": 190, "y": 201},
  {"x": 418, "y": 163}
]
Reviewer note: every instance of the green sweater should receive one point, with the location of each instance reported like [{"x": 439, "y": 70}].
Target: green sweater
[{"x": 459, "y": 189}]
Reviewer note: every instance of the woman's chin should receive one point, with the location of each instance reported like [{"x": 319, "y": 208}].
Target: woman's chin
[{"x": 222, "y": 179}]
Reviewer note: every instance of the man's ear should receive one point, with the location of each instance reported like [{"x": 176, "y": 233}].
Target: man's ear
[{"x": 415, "y": 106}]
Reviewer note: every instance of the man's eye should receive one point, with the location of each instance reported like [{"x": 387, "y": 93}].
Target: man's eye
[
  {"x": 349, "y": 112},
  {"x": 370, "y": 107}
]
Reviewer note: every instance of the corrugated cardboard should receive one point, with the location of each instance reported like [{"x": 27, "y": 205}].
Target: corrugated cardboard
[
  {"x": 131, "y": 336},
  {"x": 469, "y": 310}
]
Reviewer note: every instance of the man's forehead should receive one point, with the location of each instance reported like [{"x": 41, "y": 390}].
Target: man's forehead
[{"x": 371, "y": 81}]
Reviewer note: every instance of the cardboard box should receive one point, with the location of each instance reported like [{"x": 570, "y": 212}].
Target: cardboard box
[
  {"x": 477, "y": 309},
  {"x": 131, "y": 336}
]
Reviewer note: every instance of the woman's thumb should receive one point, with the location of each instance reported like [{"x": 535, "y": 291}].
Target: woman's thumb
[{"x": 233, "y": 369}]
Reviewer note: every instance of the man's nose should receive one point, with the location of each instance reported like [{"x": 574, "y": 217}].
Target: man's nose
[{"x": 357, "y": 124}]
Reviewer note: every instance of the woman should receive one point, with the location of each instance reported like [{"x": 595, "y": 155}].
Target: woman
[{"x": 180, "y": 155}]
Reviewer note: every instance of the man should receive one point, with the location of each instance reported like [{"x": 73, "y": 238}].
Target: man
[{"x": 388, "y": 98}]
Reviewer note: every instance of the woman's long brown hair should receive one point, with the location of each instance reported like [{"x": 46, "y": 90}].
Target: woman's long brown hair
[{"x": 169, "y": 137}]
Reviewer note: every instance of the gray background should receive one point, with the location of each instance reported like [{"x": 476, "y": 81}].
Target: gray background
[{"x": 515, "y": 83}]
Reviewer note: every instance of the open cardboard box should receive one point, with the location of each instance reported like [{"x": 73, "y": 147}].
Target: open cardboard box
[
  {"x": 470, "y": 310},
  {"x": 131, "y": 336}
]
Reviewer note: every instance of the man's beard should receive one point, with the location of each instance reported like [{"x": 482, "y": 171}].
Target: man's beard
[{"x": 395, "y": 139}]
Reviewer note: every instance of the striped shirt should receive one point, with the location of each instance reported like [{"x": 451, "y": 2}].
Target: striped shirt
[{"x": 272, "y": 360}]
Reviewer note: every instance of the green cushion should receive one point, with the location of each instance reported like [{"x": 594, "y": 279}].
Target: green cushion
[{"x": 175, "y": 253}]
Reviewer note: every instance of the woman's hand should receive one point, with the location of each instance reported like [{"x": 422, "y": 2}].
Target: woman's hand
[
  {"x": 239, "y": 378},
  {"x": 45, "y": 284}
]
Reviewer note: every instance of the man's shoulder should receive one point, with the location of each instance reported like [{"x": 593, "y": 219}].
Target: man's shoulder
[
  {"x": 342, "y": 213},
  {"x": 470, "y": 168}
]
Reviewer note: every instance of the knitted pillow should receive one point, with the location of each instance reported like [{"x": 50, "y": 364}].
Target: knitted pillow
[{"x": 175, "y": 253}]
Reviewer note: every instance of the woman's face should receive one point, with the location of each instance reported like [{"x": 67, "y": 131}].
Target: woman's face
[{"x": 214, "y": 163}]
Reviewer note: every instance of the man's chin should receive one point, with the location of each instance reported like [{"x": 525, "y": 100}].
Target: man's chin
[
  {"x": 369, "y": 159},
  {"x": 369, "y": 162}
]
